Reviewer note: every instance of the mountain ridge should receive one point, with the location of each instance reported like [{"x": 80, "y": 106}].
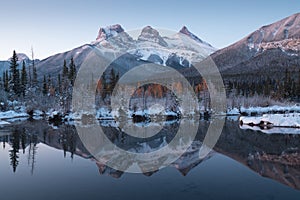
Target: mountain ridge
[
  {"x": 274, "y": 46},
  {"x": 283, "y": 35},
  {"x": 150, "y": 46}
]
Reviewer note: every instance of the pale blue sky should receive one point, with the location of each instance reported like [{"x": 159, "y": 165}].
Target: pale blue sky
[{"x": 59, "y": 25}]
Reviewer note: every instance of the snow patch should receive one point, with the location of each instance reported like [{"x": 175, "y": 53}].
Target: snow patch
[
  {"x": 3, "y": 123},
  {"x": 12, "y": 114},
  {"x": 277, "y": 120},
  {"x": 270, "y": 109}
]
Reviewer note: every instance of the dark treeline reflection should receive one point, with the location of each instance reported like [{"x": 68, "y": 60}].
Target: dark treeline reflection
[
  {"x": 23, "y": 139},
  {"x": 20, "y": 142},
  {"x": 276, "y": 156}
]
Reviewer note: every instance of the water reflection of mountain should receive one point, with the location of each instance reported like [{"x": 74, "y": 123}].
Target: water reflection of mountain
[{"x": 274, "y": 156}]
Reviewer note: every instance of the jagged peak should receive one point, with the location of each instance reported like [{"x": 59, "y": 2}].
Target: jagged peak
[
  {"x": 150, "y": 29},
  {"x": 152, "y": 35},
  {"x": 21, "y": 57},
  {"x": 184, "y": 30},
  {"x": 109, "y": 31}
]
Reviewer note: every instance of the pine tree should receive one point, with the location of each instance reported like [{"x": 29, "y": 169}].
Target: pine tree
[
  {"x": 23, "y": 79},
  {"x": 3, "y": 79},
  {"x": 49, "y": 81},
  {"x": 14, "y": 152},
  {"x": 6, "y": 82},
  {"x": 298, "y": 86},
  {"x": 113, "y": 80},
  {"x": 266, "y": 87},
  {"x": 34, "y": 75},
  {"x": 104, "y": 88},
  {"x": 15, "y": 81},
  {"x": 34, "y": 72},
  {"x": 65, "y": 69},
  {"x": 59, "y": 83},
  {"x": 287, "y": 84},
  {"x": 72, "y": 71},
  {"x": 45, "y": 87}
]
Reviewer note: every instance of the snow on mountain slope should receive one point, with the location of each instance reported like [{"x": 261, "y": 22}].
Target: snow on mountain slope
[
  {"x": 277, "y": 43},
  {"x": 184, "y": 30},
  {"x": 113, "y": 38},
  {"x": 53, "y": 64},
  {"x": 4, "y": 65},
  {"x": 151, "y": 46},
  {"x": 21, "y": 57},
  {"x": 284, "y": 34},
  {"x": 151, "y": 35},
  {"x": 108, "y": 32},
  {"x": 177, "y": 50}
]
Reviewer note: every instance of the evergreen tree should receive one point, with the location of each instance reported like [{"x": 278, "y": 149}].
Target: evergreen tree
[
  {"x": 117, "y": 77},
  {"x": 287, "y": 84},
  {"x": 29, "y": 68},
  {"x": 104, "y": 88},
  {"x": 6, "y": 82},
  {"x": 23, "y": 79},
  {"x": 3, "y": 79},
  {"x": 113, "y": 79},
  {"x": 14, "y": 152},
  {"x": 59, "y": 83},
  {"x": 34, "y": 80},
  {"x": 72, "y": 71},
  {"x": 45, "y": 87},
  {"x": 49, "y": 81},
  {"x": 298, "y": 86},
  {"x": 65, "y": 70},
  {"x": 34, "y": 72},
  {"x": 15, "y": 81},
  {"x": 267, "y": 87}
]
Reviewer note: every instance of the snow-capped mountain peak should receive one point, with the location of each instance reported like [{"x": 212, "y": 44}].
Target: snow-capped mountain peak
[
  {"x": 274, "y": 46},
  {"x": 176, "y": 50},
  {"x": 150, "y": 34},
  {"x": 184, "y": 30},
  {"x": 109, "y": 31},
  {"x": 21, "y": 57}
]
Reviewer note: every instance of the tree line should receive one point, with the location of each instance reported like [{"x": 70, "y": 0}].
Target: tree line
[
  {"x": 286, "y": 87},
  {"x": 23, "y": 84}
]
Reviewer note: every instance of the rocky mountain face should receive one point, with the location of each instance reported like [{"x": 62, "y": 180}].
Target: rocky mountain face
[
  {"x": 177, "y": 50},
  {"x": 108, "y": 32},
  {"x": 184, "y": 30},
  {"x": 268, "y": 50},
  {"x": 271, "y": 47},
  {"x": 4, "y": 65},
  {"x": 151, "y": 35}
]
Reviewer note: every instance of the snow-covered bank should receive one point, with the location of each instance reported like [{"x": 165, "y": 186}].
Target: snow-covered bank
[
  {"x": 272, "y": 120},
  {"x": 12, "y": 115},
  {"x": 270, "y": 109},
  {"x": 155, "y": 113},
  {"x": 273, "y": 123},
  {"x": 3, "y": 123}
]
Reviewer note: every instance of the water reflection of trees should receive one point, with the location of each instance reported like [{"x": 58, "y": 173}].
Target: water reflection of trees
[
  {"x": 23, "y": 140},
  {"x": 275, "y": 156},
  {"x": 19, "y": 141}
]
